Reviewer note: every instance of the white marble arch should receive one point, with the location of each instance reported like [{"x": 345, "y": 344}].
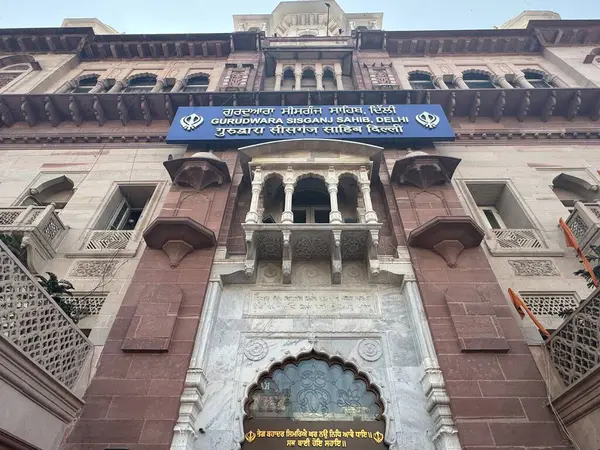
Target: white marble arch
[{"x": 235, "y": 346}]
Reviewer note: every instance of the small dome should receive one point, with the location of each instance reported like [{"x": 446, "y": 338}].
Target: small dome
[
  {"x": 206, "y": 155},
  {"x": 415, "y": 153}
]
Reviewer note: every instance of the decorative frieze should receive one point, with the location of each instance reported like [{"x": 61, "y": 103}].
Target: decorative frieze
[
  {"x": 318, "y": 302},
  {"x": 93, "y": 268},
  {"x": 534, "y": 268}
]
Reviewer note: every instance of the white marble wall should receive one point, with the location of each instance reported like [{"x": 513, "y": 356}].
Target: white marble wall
[{"x": 369, "y": 325}]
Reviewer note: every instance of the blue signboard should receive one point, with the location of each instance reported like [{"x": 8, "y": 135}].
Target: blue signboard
[{"x": 365, "y": 123}]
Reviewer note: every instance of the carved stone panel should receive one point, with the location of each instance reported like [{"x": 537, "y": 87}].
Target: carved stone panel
[
  {"x": 93, "y": 269},
  {"x": 534, "y": 268}
]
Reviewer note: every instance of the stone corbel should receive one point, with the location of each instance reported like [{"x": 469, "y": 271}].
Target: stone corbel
[
  {"x": 250, "y": 263},
  {"x": 192, "y": 401},
  {"x": 27, "y": 111},
  {"x": 475, "y": 105},
  {"x": 373, "y": 244},
  {"x": 423, "y": 170},
  {"x": 75, "y": 111},
  {"x": 123, "y": 111},
  {"x": 447, "y": 236},
  {"x": 6, "y": 116},
  {"x": 177, "y": 237},
  {"x": 336, "y": 257},
  {"x": 145, "y": 107},
  {"x": 286, "y": 262},
  {"x": 169, "y": 108},
  {"x": 438, "y": 406},
  {"x": 198, "y": 171},
  {"x": 98, "y": 111},
  {"x": 524, "y": 106},
  {"x": 51, "y": 112},
  {"x": 574, "y": 105},
  {"x": 549, "y": 107},
  {"x": 499, "y": 106}
]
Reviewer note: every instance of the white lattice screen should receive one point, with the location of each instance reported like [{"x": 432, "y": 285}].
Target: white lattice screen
[
  {"x": 512, "y": 238},
  {"x": 86, "y": 303},
  {"x": 109, "y": 240},
  {"x": 549, "y": 303},
  {"x": 575, "y": 346},
  {"x": 31, "y": 321}
]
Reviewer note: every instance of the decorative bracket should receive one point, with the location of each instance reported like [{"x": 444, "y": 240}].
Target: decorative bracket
[
  {"x": 178, "y": 236},
  {"x": 423, "y": 170},
  {"x": 447, "y": 236},
  {"x": 198, "y": 171}
]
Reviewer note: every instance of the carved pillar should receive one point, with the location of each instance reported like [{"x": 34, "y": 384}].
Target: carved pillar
[
  {"x": 439, "y": 82},
  {"x": 554, "y": 80},
  {"x": 178, "y": 86},
  {"x": 160, "y": 85},
  {"x": 365, "y": 188},
  {"x": 338, "y": 76},
  {"x": 278, "y": 76},
  {"x": 522, "y": 82},
  {"x": 501, "y": 81},
  {"x": 402, "y": 76},
  {"x": 100, "y": 87},
  {"x": 288, "y": 216},
  {"x": 460, "y": 83},
  {"x": 298, "y": 75},
  {"x": 118, "y": 86},
  {"x": 257, "y": 182},
  {"x": 319, "y": 76},
  {"x": 335, "y": 216},
  {"x": 195, "y": 382}
]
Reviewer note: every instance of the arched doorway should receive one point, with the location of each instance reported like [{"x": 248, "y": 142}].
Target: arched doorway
[
  {"x": 311, "y": 201},
  {"x": 314, "y": 401}
]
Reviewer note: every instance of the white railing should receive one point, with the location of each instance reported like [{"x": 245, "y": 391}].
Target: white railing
[
  {"x": 39, "y": 228},
  {"x": 109, "y": 239},
  {"x": 36, "y": 325},
  {"x": 584, "y": 223},
  {"x": 517, "y": 239},
  {"x": 575, "y": 346}
]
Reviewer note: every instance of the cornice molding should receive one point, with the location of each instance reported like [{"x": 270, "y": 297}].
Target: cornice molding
[{"x": 496, "y": 104}]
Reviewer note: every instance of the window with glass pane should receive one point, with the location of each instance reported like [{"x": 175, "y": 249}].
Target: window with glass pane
[
  {"x": 84, "y": 86},
  {"x": 197, "y": 84},
  {"x": 477, "y": 80},
  {"x": 314, "y": 389},
  {"x": 536, "y": 79},
  {"x": 141, "y": 84},
  {"x": 420, "y": 80}
]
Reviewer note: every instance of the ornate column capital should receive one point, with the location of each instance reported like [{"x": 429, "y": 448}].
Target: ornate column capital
[
  {"x": 160, "y": 85},
  {"x": 178, "y": 86},
  {"x": 118, "y": 86},
  {"x": 521, "y": 81},
  {"x": 501, "y": 81},
  {"x": 458, "y": 81},
  {"x": 439, "y": 82}
]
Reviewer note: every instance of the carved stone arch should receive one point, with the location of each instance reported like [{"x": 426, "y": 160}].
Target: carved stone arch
[
  {"x": 305, "y": 68},
  {"x": 293, "y": 69},
  {"x": 56, "y": 190},
  {"x": 140, "y": 75},
  {"x": 543, "y": 73},
  {"x": 348, "y": 174},
  {"x": 19, "y": 59},
  {"x": 329, "y": 67},
  {"x": 311, "y": 174},
  {"x": 194, "y": 75},
  {"x": 85, "y": 76},
  {"x": 478, "y": 71},
  {"x": 306, "y": 353},
  {"x": 268, "y": 175},
  {"x": 421, "y": 72}
]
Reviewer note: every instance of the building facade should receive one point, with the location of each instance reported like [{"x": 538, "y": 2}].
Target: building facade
[{"x": 338, "y": 278}]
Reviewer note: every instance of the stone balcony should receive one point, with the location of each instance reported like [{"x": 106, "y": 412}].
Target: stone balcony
[
  {"x": 39, "y": 229},
  {"x": 337, "y": 242},
  {"x": 574, "y": 350},
  {"x": 584, "y": 223},
  {"x": 44, "y": 357}
]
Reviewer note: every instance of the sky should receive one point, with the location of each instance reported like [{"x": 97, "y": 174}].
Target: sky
[{"x": 208, "y": 16}]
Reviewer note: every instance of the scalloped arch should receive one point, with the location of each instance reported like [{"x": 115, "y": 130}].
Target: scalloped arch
[
  {"x": 140, "y": 75},
  {"x": 306, "y": 68},
  {"x": 86, "y": 76},
  {"x": 330, "y": 68},
  {"x": 479, "y": 71},
  {"x": 543, "y": 73},
  {"x": 348, "y": 174},
  {"x": 306, "y": 175},
  {"x": 421, "y": 72},
  {"x": 196, "y": 74}
]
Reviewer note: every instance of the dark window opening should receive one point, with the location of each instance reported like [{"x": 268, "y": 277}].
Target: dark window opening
[
  {"x": 420, "y": 80},
  {"x": 476, "y": 80},
  {"x": 197, "y": 84},
  {"x": 141, "y": 84}
]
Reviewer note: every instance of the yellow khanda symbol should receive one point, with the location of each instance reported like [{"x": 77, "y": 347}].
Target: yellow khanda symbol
[
  {"x": 250, "y": 436},
  {"x": 378, "y": 437}
]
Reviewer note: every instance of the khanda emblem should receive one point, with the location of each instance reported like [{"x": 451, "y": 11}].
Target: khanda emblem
[
  {"x": 191, "y": 122},
  {"x": 250, "y": 436},
  {"x": 428, "y": 120},
  {"x": 378, "y": 437}
]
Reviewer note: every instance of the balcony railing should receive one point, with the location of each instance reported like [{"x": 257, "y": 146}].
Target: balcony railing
[
  {"x": 515, "y": 238},
  {"x": 36, "y": 325},
  {"x": 584, "y": 223},
  {"x": 39, "y": 229},
  {"x": 109, "y": 240},
  {"x": 575, "y": 346}
]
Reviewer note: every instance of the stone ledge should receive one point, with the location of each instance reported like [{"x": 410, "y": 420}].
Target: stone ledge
[{"x": 580, "y": 399}]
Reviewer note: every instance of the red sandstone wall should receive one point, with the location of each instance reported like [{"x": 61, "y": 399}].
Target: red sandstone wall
[
  {"x": 497, "y": 398},
  {"x": 133, "y": 400}
]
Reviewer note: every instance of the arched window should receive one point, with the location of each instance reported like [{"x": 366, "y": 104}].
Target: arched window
[
  {"x": 55, "y": 191},
  {"x": 288, "y": 80},
  {"x": 198, "y": 83},
  {"x": 536, "y": 79},
  {"x": 141, "y": 84},
  {"x": 310, "y": 202},
  {"x": 308, "y": 81},
  {"x": 329, "y": 80},
  {"x": 478, "y": 80},
  {"x": 313, "y": 388},
  {"x": 420, "y": 80},
  {"x": 85, "y": 85}
]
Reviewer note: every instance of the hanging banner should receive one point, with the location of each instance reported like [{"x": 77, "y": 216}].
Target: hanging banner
[
  {"x": 364, "y": 123},
  {"x": 280, "y": 434}
]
